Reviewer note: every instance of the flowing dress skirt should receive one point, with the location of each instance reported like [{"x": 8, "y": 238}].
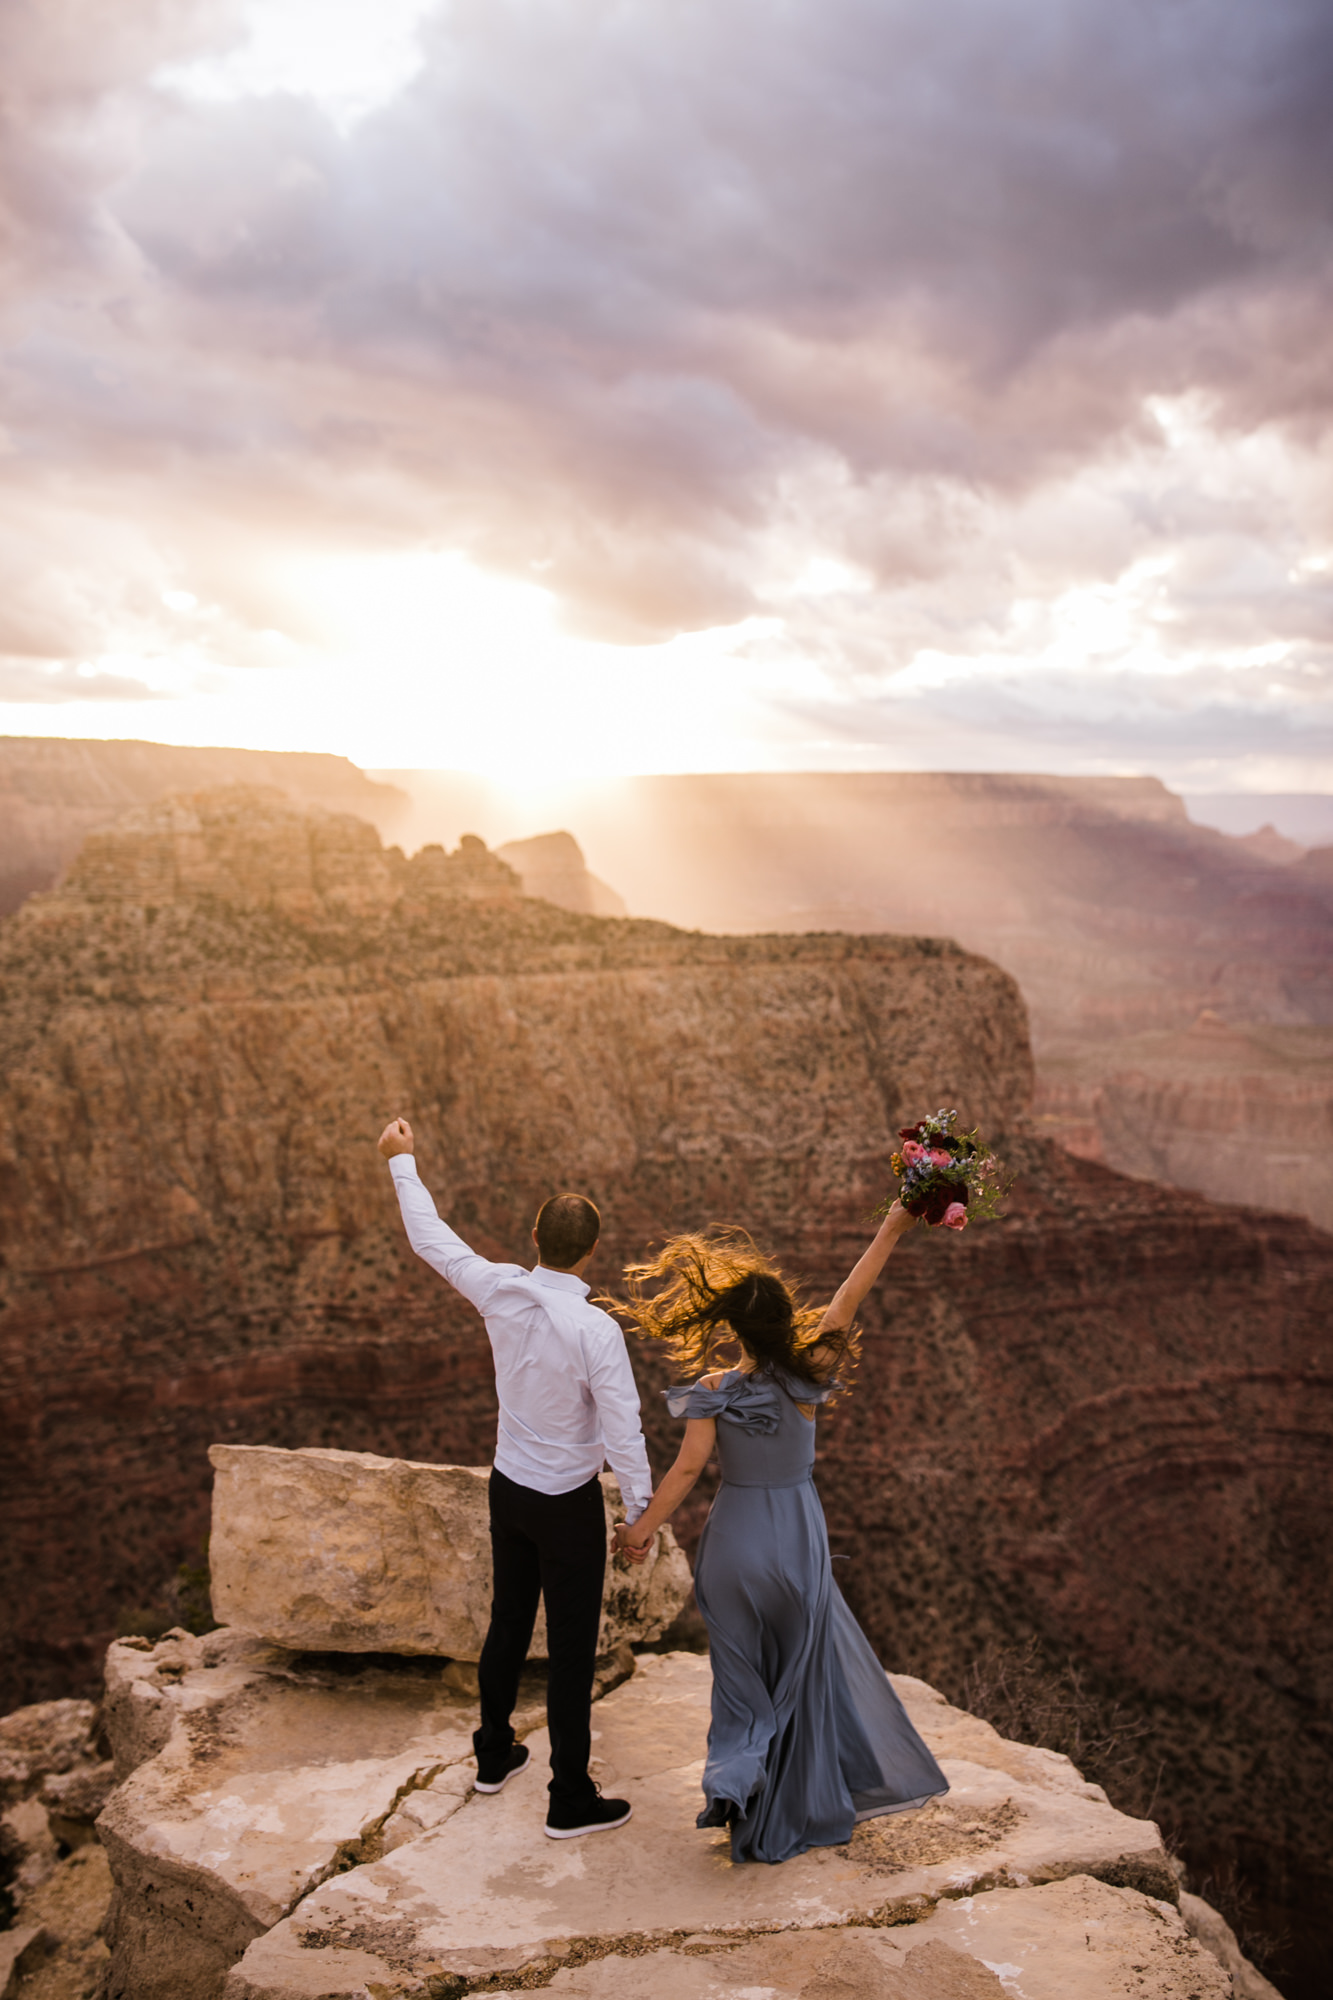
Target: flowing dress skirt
[{"x": 807, "y": 1734}]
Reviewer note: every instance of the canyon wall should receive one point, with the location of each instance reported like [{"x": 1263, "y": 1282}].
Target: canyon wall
[
  {"x": 202, "y": 1034},
  {"x": 1119, "y": 918},
  {"x": 54, "y": 791},
  {"x": 1113, "y": 911},
  {"x": 1238, "y": 1113},
  {"x": 1104, "y": 1423}
]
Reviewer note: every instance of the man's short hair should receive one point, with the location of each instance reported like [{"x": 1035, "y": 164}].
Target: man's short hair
[{"x": 567, "y": 1227}]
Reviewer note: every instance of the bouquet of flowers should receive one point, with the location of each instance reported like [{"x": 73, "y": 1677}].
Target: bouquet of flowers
[{"x": 946, "y": 1177}]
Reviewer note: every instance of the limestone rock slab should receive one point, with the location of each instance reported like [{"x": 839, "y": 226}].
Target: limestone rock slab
[
  {"x": 265, "y": 1774},
  {"x": 1080, "y": 1937},
  {"x": 485, "y": 1894},
  {"x": 1075, "y": 1939},
  {"x": 343, "y": 1551}
]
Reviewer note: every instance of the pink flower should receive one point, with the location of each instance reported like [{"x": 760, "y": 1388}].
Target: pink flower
[
  {"x": 912, "y": 1152},
  {"x": 938, "y": 1159},
  {"x": 955, "y": 1216}
]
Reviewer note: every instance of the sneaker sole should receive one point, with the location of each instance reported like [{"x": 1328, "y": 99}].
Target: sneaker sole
[
  {"x": 517, "y": 1772},
  {"x": 598, "y": 1826}
]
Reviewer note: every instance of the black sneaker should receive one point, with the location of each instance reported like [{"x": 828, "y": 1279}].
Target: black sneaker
[
  {"x": 494, "y": 1774},
  {"x": 595, "y": 1815}
]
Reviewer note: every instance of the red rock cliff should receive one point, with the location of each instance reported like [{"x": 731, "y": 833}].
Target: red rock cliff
[{"x": 1106, "y": 1421}]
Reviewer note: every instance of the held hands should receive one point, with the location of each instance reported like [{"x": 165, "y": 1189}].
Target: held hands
[
  {"x": 396, "y": 1138},
  {"x": 631, "y": 1543}
]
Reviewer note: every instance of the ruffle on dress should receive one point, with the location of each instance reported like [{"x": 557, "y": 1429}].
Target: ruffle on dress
[{"x": 748, "y": 1400}]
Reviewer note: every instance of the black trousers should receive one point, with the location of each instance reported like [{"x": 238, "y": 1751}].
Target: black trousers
[{"x": 552, "y": 1546}]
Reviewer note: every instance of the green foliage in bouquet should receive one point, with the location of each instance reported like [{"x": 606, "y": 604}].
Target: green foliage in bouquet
[{"x": 947, "y": 1178}]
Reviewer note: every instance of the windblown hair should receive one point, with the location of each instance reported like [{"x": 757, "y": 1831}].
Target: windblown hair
[
  {"x": 567, "y": 1227},
  {"x": 719, "y": 1286}
]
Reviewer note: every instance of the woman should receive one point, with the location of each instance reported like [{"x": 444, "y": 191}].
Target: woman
[{"x": 807, "y": 1735}]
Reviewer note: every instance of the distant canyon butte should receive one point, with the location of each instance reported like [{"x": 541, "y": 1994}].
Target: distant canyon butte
[
  {"x": 1103, "y": 1424},
  {"x": 1179, "y": 982}
]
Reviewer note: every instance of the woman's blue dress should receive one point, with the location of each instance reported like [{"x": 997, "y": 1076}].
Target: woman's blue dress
[{"x": 807, "y": 1735}]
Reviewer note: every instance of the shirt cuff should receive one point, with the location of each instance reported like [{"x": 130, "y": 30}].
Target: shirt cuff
[{"x": 403, "y": 1166}]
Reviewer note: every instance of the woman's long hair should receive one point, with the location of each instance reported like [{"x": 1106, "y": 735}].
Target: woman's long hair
[{"x": 718, "y": 1286}]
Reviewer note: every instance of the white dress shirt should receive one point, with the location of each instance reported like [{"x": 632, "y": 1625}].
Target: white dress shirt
[{"x": 568, "y": 1399}]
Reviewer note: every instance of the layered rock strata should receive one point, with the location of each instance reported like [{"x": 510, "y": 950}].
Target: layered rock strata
[
  {"x": 1120, "y": 919},
  {"x": 54, "y": 792},
  {"x": 1103, "y": 1424},
  {"x": 1237, "y": 1113},
  {"x": 248, "y": 847},
  {"x": 1116, "y": 914},
  {"x": 344, "y": 1551}
]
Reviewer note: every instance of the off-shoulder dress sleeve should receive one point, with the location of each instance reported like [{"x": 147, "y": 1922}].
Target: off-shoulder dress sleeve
[
  {"x": 749, "y": 1401},
  {"x": 807, "y": 1392}
]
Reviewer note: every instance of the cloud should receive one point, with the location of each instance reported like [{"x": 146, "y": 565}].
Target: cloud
[
  {"x": 71, "y": 70},
  {"x": 22, "y": 681},
  {"x": 992, "y": 303}
]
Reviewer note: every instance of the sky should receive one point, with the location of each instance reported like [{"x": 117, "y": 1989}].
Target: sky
[{"x": 605, "y": 386}]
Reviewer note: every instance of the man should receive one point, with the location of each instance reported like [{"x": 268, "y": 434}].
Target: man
[{"x": 567, "y": 1403}]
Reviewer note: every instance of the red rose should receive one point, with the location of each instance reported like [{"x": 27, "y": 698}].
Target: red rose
[{"x": 933, "y": 1204}]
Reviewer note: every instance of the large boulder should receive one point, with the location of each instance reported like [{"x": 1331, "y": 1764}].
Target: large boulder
[{"x": 341, "y": 1551}]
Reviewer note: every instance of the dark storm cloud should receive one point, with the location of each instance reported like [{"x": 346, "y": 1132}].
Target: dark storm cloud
[
  {"x": 636, "y": 263},
  {"x": 613, "y": 292},
  {"x": 615, "y": 185}
]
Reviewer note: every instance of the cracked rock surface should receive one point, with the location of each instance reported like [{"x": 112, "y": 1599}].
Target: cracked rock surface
[
  {"x": 250, "y": 1775},
  {"x": 483, "y": 1897},
  {"x": 1077, "y": 1939},
  {"x": 303, "y": 1827}
]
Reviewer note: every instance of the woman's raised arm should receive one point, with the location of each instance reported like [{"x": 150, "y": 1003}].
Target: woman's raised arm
[{"x": 848, "y": 1297}]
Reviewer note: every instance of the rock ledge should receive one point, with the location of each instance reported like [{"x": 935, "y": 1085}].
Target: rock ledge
[{"x": 482, "y": 1897}]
